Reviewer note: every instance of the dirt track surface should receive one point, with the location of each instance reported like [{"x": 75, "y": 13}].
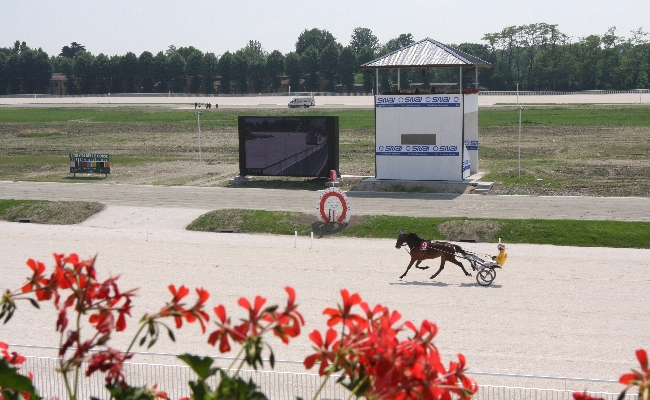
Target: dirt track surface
[
  {"x": 559, "y": 311},
  {"x": 262, "y": 101},
  {"x": 361, "y": 203}
]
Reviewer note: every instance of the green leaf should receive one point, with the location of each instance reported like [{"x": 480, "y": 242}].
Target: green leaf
[
  {"x": 271, "y": 356},
  {"x": 11, "y": 379},
  {"x": 171, "y": 334},
  {"x": 200, "y": 365},
  {"x": 34, "y": 302},
  {"x": 9, "y": 315},
  {"x": 130, "y": 393}
]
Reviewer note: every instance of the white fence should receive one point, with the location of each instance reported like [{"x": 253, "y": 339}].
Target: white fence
[{"x": 174, "y": 379}]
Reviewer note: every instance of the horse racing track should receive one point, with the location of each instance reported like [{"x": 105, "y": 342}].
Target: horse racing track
[{"x": 551, "y": 311}]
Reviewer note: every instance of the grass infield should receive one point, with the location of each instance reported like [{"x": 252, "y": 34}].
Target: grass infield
[{"x": 531, "y": 231}]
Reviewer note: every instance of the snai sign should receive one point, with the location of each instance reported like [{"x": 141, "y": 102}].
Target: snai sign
[{"x": 85, "y": 163}]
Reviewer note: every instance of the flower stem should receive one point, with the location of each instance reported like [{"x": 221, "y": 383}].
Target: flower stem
[{"x": 354, "y": 391}]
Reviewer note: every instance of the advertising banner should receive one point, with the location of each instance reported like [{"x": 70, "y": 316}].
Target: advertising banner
[
  {"x": 419, "y": 137},
  {"x": 84, "y": 163}
]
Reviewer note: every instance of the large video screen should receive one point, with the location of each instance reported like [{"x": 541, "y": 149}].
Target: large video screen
[{"x": 288, "y": 146}]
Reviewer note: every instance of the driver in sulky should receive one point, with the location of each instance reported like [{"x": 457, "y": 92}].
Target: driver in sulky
[{"x": 499, "y": 259}]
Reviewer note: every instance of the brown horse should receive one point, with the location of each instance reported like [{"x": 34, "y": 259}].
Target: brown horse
[{"x": 446, "y": 252}]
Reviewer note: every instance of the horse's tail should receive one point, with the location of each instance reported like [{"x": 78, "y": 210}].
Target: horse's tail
[{"x": 460, "y": 250}]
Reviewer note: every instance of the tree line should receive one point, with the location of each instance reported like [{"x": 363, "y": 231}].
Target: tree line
[{"x": 534, "y": 57}]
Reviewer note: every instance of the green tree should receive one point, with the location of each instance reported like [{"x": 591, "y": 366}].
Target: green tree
[
  {"x": 3, "y": 78},
  {"x": 363, "y": 37},
  {"x": 84, "y": 71},
  {"x": 403, "y": 40},
  {"x": 210, "y": 71},
  {"x": 35, "y": 70},
  {"x": 186, "y": 52},
  {"x": 257, "y": 74},
  {"x": 293, "y": 70},
  {"x": 177, "y": 72},
  {"x": 160, "y": 71},
  {"x": 309, "y": 61},
  {"x": 367, "y": 54},
  {"x": 635, "y": 65},
  {"x": 610, "y": 61},
  {"x": 275, "y": 68},
  {"x": 194, "y": 68},
  {"x": 256, "y": 60},
  {"x": 587, "y": 57},
  {"x": 225, "y": 70},
  {"x": 240, "y": 65},
  {"x": 329, "y": 65},
  {"x": 348, "y": 67},
  {"x": 145, "y": 63},
  {"x": 72, "y": 50},
  {"x": 117, "y": 83},
  {"x": 171, "y": 49},
  {"x": 317, "y": 38},
  {"x": 506, "y": 65},
  {"x": 102, "y": 73},
  {"x": 26, "y": 70},
  {"x": 130, "y": 71}
]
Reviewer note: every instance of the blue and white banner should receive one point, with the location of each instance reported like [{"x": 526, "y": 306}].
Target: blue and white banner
[
  {"x": 418, "y": 100},
  {"x": 471, "y": 144},
  {"x": 417, "y": 150}
]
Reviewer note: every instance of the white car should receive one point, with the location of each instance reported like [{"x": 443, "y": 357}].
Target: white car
[{"x": 302, "y": 102}]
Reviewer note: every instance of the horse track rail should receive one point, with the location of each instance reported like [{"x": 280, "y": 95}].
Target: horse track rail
[{"x": 173, "y": 379}]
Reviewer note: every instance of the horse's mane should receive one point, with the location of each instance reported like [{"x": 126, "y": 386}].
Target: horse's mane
[{"x": 415, "y": 235}]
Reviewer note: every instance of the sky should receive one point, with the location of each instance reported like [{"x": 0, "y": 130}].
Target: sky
[{"x": 118, "y": 26}]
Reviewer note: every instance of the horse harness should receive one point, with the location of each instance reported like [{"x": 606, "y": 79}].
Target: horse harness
[{"x": 446, "y": 252}]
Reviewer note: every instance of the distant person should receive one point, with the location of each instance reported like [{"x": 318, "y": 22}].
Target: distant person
[
  {"x": 196, "y": 105},
  {"x": 497, "y": 260}
]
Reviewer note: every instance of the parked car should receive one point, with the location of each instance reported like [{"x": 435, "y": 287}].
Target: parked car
[{"x": 302, "y": 101}]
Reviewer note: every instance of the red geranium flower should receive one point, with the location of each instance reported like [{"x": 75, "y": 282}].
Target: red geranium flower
[{"x": 584, "y": 396}]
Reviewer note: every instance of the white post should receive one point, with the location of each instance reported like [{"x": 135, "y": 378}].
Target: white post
[
  {"x": 311, "y": 241},
  {"x": 519, "y": 157},
  {"x": 476, "y": 77},
  {"x": 377, "y": 81},
  {"x": 198, "y": 116},
  {"x": 295, "y": 239}
]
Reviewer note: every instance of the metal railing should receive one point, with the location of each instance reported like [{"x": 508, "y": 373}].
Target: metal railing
[
  {"x": 555, "y": 93},
  {"x": 173, "y": 379}
]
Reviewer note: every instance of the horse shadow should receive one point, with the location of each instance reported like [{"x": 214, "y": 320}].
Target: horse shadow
[
  {"x": 441, "y": 284},
  {"x": 321, "y": 229},
  {"x": 419, "y": 283}
]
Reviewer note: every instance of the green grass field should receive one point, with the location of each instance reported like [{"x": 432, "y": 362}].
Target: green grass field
[
  {"x": 578, "y": 150},
  {"x": 531, "y": 231}
]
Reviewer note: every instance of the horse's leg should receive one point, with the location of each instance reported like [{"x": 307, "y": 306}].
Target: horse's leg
[
  {"x": 421, "y": 258},
  {"x": 460, "y": 264},
  {"x": 442, "y": 266},
  {"x": 407, "y": 268}
]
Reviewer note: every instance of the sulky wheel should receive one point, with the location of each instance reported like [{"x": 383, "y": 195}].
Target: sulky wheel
[{"x": 485, "y": 276}]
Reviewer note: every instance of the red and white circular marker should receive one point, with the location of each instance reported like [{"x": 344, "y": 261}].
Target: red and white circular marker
[{"x": 333, "y": 206}]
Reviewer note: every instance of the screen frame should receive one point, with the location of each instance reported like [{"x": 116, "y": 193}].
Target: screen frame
[{"x": 332, "y": 133}]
